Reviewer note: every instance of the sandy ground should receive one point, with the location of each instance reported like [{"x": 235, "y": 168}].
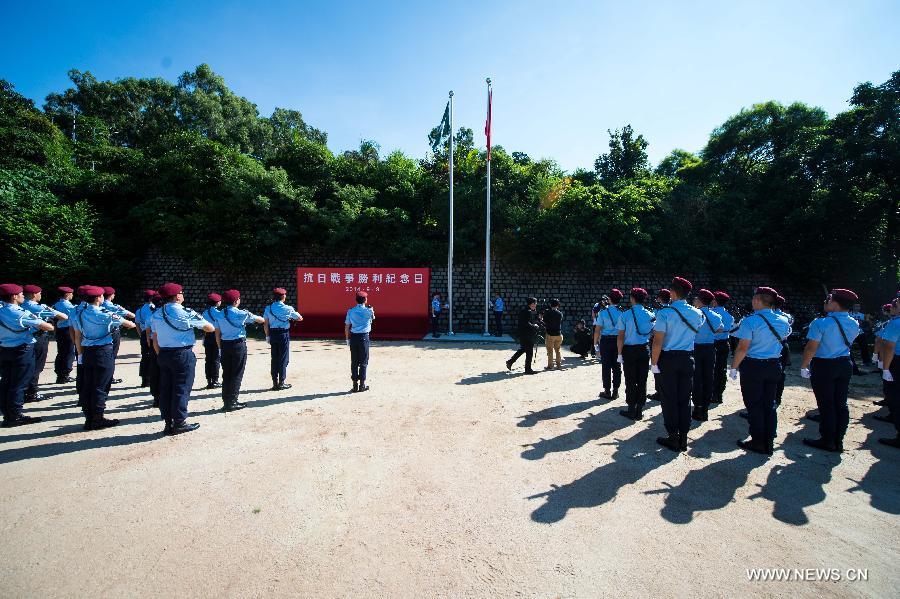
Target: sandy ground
[{"x": 451, "y": 477}]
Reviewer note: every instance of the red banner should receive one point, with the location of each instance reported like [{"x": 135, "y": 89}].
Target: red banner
[{"x": 400, "y": 296}]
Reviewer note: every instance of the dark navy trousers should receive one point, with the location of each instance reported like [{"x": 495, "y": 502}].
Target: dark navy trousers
[
  {"x": 721, "y": 368},
  {"x": 676, "y": 378},
  {"x": 892, "y": 393},
  {"x": 41, "y": 342},
  {"x": 234, "y": 360},
  {"x": 280, "y": 343},
  {"x": 704, "y": 373},
  {"x": 213, "y": 357},
  {"x": 759, "y": 388},
  {"x": 609, "y": 354},
  {"x": 636, "y": 367},
  {"x": 145, "y": 358},
  {"x": 16, "y": 367},
  {"x": 359, "y": 356},
  {"x": 176, "y": 378},
  {"x": 65, "y": 353},
  {"x": 830, "y": 380},
  {"x": 96, "y": 373}
]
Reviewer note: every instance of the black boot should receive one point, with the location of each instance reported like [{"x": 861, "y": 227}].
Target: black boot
[
  {"x": 670, "y": 442},
  {"x": 753, "y": 445},
  {"x": 682, "y": 441},
  {"x": 355, "y": 387},
  {"x": 822, "y": 444},
  {"x": 628, "y": 412}
]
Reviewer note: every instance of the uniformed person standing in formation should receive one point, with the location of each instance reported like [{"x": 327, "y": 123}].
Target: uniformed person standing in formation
[
  {"x": 153, "y": 356},
  {"x": 722, "y": 348},
  {"x": 435, "y": 313},
  {"x": 635, "y": 327},
  {"x": 212, "y": 353},
  {"x": 878, "y": 356},
  {"x": 109, "y": 295},
  {"x": 705, "y": 356},
  {"x": 142, "y": 319},
  {"x": 232, "y": 335},
  {"x": 757, "y": 357},
  {"x": 173, "y": 340},
  {"x": 65, "y": 347},
  {"x": 886, "y": 348},
  {"x": 527, "y": 328},
  {"x": 778, "y": 308},
  {"x": 357, "y": 326},
  {"x": 826, "y": 362},
  {"x": 93, "y": 328},
  {"x": 32, "y": 294},
  {"x": 663, "y": 298},
  {"x": 17, "y": 341},
  {"x": 497, "y": 309},
  {"x": 672, "y": 359},
  {"x": 606, "y": 335},
  {"x": 278, "y": 317}
]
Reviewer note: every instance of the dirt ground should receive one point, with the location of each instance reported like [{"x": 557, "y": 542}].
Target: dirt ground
[{"x": 451, "y": 477}]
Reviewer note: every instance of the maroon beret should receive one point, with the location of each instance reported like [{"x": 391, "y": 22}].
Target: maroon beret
[
  {"x": 721, "y": 297},
  {"x": 639, "y": 293},
  {"x": 10, "y": 289},
  {"x": 231, "y": 296},
  {"x": 149, "y": 293},
  {"x": 109, "y": 291},
  {"x": 665, "y": 294},
  {"x": 616, "y": 295},
  {"x": 170, "y": 290},
  {"x": 279, "y": 291},
  {"x": 214, "y": 297},
  {"x": 765, "y": 291},
  {"x": 64, "y": 289},
  {"x": 779, "y": 301},
  {"x": 844, "y": 295},
  {"x": 90, "y": 291},
  {"x": 682, "y": 283},
  {"x": 31, "y": 289},
  {"x": 886, "y": 308},
  {"x": 362, "y": 294},
  {"x": 706, "y": 295}
]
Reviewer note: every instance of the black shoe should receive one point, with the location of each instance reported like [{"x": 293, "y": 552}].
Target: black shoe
[
  {"x": 653, "y": 396},
  {"x": 629, "y": 413},
  {"x": 882, "y": 418},
  {"x": 155, "y": 403},
  {"x": 615, "y": 394},
  {"x": 62, "y": 380},
  {"x": 233, "y": 407},
  {"x": 508, "y": 365},
  {"x": 168, "y": 429},
  {"x": 213, "y": 385},
  {"x": 814, "y": 417},
  {"x": 682, "y": 441},
  {"x": 363, "y": 387},
  {"x": 881, "y": 402},
  {"x": 284, "y": 386},
  {"x": 355, "y": 387},
  {"x": 21, "y": 421},
  {"x": 605, "y": 395},
  {"x": 117, "y": 381},
  {"x": 895, "y": 442},
  {"x": 822, "y": 444},
  {"x": 754, "y": 446},
  {"x": 531, "y": 372},
  {"x": 184, "y": 427},
  {"x": 744, "y": 415},
  {"x": 96, "y": 425},
  {"x": 34, "y": 398},
  {"x": 670, "y": 442}
]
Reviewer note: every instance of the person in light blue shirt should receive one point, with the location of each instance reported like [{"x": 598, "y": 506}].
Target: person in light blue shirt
[
  {"x": 778, "y": 308},
  {"x": 357, "y": 326},
  {"x": 65, "y": 347},
  {"x": 42, "y": 338},
  {"x": 720, "y": 378},
  {"x": 142, "y": 319},
  {"x": 173, "y": 328},
  {"x": 705, "y": 355},
  {"x": 278, "y": 317},
  {"x": 606, "y": 336},
  {"x": 17, "y": 327},
  {"x": 436, "y": 305},
  {"x": 757, "y": 357},
  {"x": 231, "y": 333},
  {"x": 498, "y": 308},
  {"x": 109, "y": 294},
  {"x": 672, "y": 358},
  {"x": 211, "y": 350},
  {"x": 826, "y": 361},
  {"x": 887, "y": 340},
  {"x": 635, "y": 327}
]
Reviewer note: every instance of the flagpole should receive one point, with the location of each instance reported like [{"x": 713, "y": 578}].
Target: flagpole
[
  {"x": 487, "y": 224},
  {"x": 450, "y": 251}
]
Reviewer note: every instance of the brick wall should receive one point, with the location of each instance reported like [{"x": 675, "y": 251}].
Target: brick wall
[{"x": 576, "y": 289}]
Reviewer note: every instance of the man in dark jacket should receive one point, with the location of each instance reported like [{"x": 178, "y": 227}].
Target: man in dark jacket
[
  {"x": 527, "y": 328},
  {"x": 553, "y": 335}
]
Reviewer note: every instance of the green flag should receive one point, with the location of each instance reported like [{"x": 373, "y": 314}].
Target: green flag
[{"x": 439, "y": 133}]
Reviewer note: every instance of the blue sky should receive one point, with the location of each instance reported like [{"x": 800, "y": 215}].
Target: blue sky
[{"x": 563, "y": 72}]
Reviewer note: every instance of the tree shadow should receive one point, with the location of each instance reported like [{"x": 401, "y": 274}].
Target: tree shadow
[
  {"x": 880, "y": 481},
  {"x": 633, "y": 459},
  {"x": 553, "y": 412},
  {"x": 590, "y": 428}
]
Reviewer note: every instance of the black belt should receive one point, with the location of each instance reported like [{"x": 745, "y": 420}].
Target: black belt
[
  {"x": 87, "y": 347},
  {"x": 359, "y": 334},
  {"x": 678, "y": 352},
  {"x": 241, "y": 340},
  {"x": 842, "y": 358},
  {"x": 775, "y": 360},
  {"x": 182, "y": 348}
]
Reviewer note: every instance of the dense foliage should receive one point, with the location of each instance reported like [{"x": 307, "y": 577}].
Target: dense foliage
[{"x": 110, "y": 168}]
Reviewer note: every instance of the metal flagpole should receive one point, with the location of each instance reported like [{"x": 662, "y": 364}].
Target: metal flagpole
[
  {"x": 450, "y": 252},
  {"x": 487, "y": 236}
]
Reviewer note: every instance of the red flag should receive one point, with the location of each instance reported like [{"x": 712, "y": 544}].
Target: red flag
[{"x": 487, "y": 125}]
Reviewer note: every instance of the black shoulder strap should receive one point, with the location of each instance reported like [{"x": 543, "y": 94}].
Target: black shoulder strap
[
  {"x": 169, "y": 322},
  {"x": 841, "y": 329},
  {"x": 709, "y": 324},
  {"x": 80, "y": 314},
  {"x": 275, "y": 316},
  {"x": 771, "y": 328},
  {"x": 231, "y": 322},
  {"x": 636, "y": 327},
  {"x": 680, "y": 315}
]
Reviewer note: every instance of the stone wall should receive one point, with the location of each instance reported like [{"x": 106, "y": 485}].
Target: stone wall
[{"x": 577, "y": 290}]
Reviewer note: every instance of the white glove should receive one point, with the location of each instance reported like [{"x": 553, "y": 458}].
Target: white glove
[
  {"x": 620, "y": 359},
  {"x": 887, "y": 376},
  {"x": 267, "y": 339},
  {"x": 80, "y": 358},
  {"x": 348, "y": 343},
  {"x": 654, "y": 369},
  {"x": 880, "y": 364},
  {"x": 733, "y": 374},
  {"x": 804, "y": 372},
  {"x": 596, "y": 347}
]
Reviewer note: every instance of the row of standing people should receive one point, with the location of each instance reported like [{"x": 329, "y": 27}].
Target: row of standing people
[{"x": 686, "y": 347}]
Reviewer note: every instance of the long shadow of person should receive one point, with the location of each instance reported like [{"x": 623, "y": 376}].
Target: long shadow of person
[
  {"x": 633, "y": 459},
  {"x": 590, "y": 428},
  {"x": 880, "y": 481},
  {"x": 53, "y": 449},
  {"x": 800, "y": 484},
  {"x": 553, "y": 412}
]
